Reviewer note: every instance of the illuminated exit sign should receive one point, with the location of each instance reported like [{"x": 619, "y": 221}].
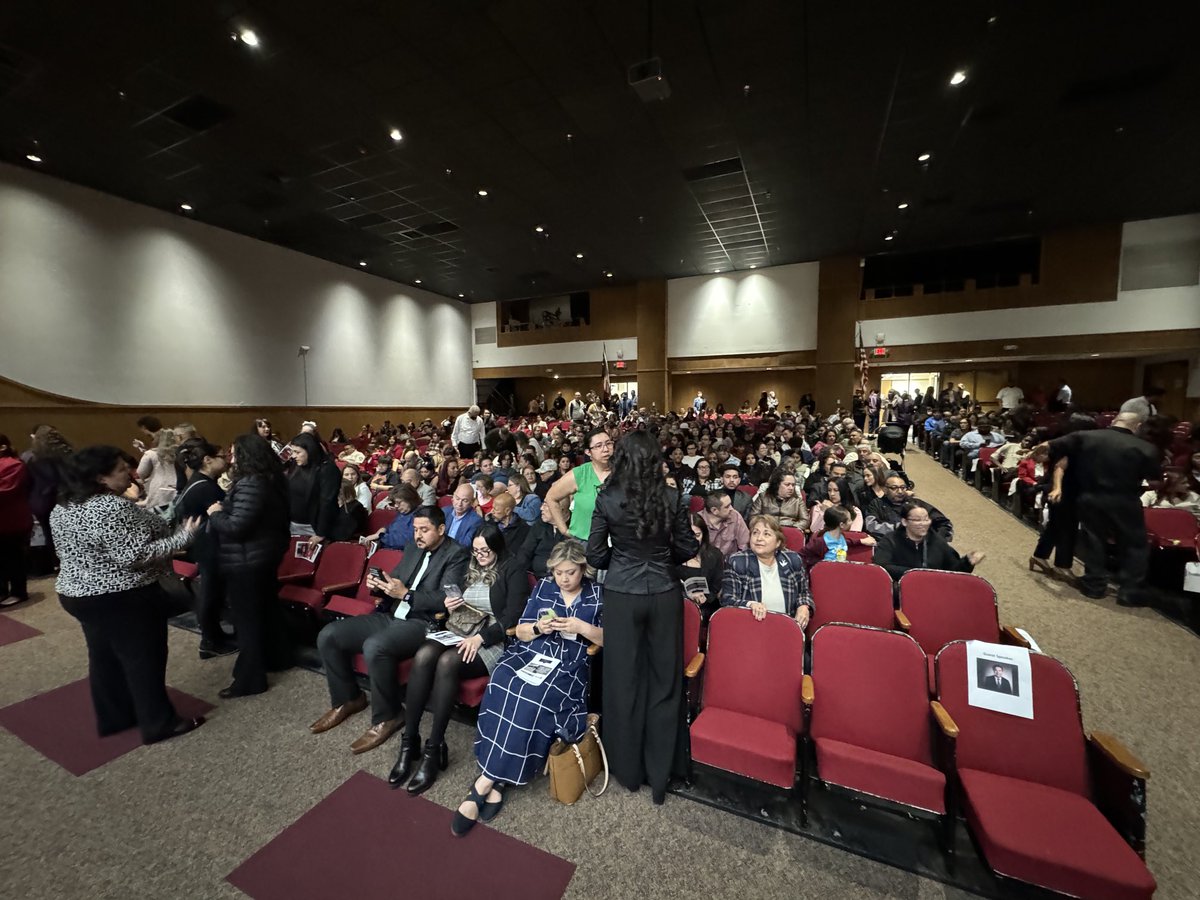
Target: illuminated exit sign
[{"x": 879, "y": 352}]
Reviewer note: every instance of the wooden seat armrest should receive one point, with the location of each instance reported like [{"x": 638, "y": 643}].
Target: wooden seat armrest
[
  {"x": 945, "y": 722},
  {"x": 511, "y": 632},
  {"x": 334, "y": 588},
  {"x": 294, "y": 578},
  {"x": 593, "y": 649},
  {"x": 1120, "y": 755},
  {"x": 806, "y": 691},
  {"x": 1010, "y": 635},
  {"x": 694, "y": 666},
  {"x": 903, "y": 621}
]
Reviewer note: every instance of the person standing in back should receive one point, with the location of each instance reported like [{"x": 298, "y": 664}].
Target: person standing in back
[
  {"x": 313, "y": 483},
  {"x": 206, "y": 462},
  {"x": 16, "y": 522},
  {"x": 643, "y": 667},
  {"x": 251, "y": 527}
]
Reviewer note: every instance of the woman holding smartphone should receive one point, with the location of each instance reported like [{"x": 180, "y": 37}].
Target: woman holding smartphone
[{"x": 496, "y": 585}]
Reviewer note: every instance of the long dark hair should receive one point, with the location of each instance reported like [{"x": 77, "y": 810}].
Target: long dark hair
[
  {"x": 82, "y": 470},
  {"x": 192, "y": 452},
  {"x": 311, "y": 446},
  {"x": 844, "y": 492},
  {"x": 776, "y": 480},
  {"x": 252, "y": 455},
  {"x": 637, "y": 469}
]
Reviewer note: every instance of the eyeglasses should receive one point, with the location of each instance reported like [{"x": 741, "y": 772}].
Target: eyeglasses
[
  {"x": 895, "y": 487},
  {"x": 602, "y": 445},
  {"x": 482, "y": 552}
]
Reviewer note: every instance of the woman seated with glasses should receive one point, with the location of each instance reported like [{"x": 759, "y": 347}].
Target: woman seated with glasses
[
  {"x": 767, "y": 577},
  {"x": 518, "y": 720},
  {"x": 496, "y": 585}
]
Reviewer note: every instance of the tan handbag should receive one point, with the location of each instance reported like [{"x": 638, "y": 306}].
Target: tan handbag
[{"x": 573, "y": 767}]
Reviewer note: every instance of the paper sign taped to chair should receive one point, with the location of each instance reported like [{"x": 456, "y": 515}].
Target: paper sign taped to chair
[{"x": 999, "y": 678}]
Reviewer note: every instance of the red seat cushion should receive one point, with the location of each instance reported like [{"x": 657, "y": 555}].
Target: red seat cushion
[
  {"x": 350, "y": 606},
  {"x": 295, "y": 593},
  {"x": 1052, "y": 838},
  {"x": 185, "y": 569},
  {"x": 470, "y": 692},
  {"x": 750, "y": 746},
  {"x": 881, "y": 775}
]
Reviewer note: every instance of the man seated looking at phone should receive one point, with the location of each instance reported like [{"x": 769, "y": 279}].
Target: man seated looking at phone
[{"x": 410, "y": 598}]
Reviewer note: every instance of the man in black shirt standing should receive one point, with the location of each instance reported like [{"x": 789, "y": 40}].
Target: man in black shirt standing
[{"x": 1109, "y": 466}]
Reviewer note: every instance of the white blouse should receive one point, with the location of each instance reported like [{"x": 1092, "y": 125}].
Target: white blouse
[{"x": 772, "y": 589}]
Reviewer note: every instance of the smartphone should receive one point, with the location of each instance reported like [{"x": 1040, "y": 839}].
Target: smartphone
[
  {"x": 375, "y": 572},
  {"x": 546, "y": 615},
  {"x": 452, "y": 591}
]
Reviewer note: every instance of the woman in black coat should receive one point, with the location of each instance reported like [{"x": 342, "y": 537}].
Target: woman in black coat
[
  {"x": 643, "y": 615},
  {"x": 313, "y": 484},
  {"x": 251, "y": 526},
  {"x": 707, "y": 564},
  {"x": 496, "y": 584},
  {"x": 206, "y": 462}
]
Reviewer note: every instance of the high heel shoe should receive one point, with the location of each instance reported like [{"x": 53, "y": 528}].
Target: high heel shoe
[
  {"x": 409, "y": 751},
  {"x": 1040, "y": 565},
  {"x": 433, "y": 760}
]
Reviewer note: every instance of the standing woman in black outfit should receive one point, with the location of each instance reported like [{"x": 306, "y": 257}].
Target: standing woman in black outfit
[
  {"x": 251, "y": 528},
  {"x": 313, "y": 485},
  {"x": 206, "y": 462},
  {"x": 643, "y": 615}
]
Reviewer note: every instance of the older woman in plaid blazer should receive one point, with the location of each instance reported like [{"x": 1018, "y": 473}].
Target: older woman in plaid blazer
[{"x": 767, "y": 577}]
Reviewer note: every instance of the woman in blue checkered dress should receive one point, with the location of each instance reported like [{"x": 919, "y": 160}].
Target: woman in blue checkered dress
[{"x": 518, "y": 721}]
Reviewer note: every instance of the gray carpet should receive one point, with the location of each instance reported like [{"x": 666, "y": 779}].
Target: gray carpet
[{"x": 173, "y": 820}]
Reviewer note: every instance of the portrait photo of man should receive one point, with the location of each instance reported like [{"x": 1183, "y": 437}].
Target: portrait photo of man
[{"x": 997, "y": 678}]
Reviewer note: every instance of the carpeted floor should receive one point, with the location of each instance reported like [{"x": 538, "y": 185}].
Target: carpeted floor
[{"x": 172, "y": 821}]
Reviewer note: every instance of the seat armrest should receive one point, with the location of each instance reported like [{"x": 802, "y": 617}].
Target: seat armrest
[
  {"x": 593, "y": 649},
  {"x": 1119, "y": 788},
  {"x": 511, "y": 632},
  {"x": 1010, "y": 635},
  {"x": 1119, "y": 755},
  {"x": 903, "y": 621},
  {"x": 806, "y": 691},
  {"x": 342, "y": 586},
  {"x": 692, "y": 669},
  {"x": 944, "y": 720},
  {"x": 294, "y": 578}
]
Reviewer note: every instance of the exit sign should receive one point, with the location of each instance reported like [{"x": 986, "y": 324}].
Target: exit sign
[
  {"x": 620, "y": 364},
  {"x": 879, "y": 352}
]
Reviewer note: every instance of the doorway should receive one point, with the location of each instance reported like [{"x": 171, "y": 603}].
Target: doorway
[
  {"x": 1172, "y": 377},
  {"x": 911, "y": 383}
]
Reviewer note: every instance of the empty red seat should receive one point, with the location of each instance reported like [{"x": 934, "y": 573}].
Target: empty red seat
[
  {"x": 743, "y": 728},
  {"x": 380, "y": 518},
  {"x": 793, "y": 538},
  {"x": 1033, "y": 789},
  {"x": 939, "y": 607},
  {"x": 869, "y": 716},
  {"x": 857, "y": 593},
  {"x": 378, "y": 497},
  {"x": 293, "y": 570},
  {"x": 339, "y": 568},
  {"x": 362, "y": 602},
  {"x": 1171, "y": 527}
]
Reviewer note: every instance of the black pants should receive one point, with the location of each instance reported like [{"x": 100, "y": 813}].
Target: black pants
[
  {"x": 262, "y": 631},
  {"x": 13, "y": 566},
  {"x": 643, "y": 721},
  {"x": 383, "y": 641},
  {"x": 1104, "y": 518},
  {"x": 126, "y": 635},
  {"x": 1059, "y": 534},
  {"x": 209, "y": 598},
  {"x": 437, "y": 672},
  {"x": 467, "y": 451}
]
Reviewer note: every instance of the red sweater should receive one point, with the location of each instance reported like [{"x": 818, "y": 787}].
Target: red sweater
[{"x": 15, "y": 516}]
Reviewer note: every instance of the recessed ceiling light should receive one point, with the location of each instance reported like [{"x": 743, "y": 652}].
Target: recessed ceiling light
[
  {"x": 539, "y": 229},
  {"x": 461, "y": 296},
  {"x": 482, "y": 192},
  {"x": 608, "y": 274},
  {"x": 754, "y": 267},
  {"x": 362, "y": 262},
  {"x": 556, "y": 378},
  {"x": 186, "y": 207},
  {"x": 715, "y": 271},
  {"x": 395, "y": 135},
  {"x": 33, "y": 157},
  {"x": 579, "y": 256},
  {"x": 888, "y": 237},
  {"x": 418, "y": 281},
  {"x": 902, "y": 206},
  {"x": 924, "y": 157},
  {"x": 1095, "y": 354},
  {"x": 248, "y": 37},
  {"x": 958, "y": 77}
]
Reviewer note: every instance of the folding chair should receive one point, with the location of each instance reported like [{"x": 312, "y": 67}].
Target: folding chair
[
  {"x": 939, "y": 607},
  {"x": 1047, "y": 803},
  {"x": 742, "y": 728},
  {"x": 339, "y": 568},
  {"x": 856, "y": 593},
  {"x": 870, "y": 722}
]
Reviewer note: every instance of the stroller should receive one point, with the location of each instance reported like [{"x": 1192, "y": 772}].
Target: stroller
[{"x": 892, "y": 440}]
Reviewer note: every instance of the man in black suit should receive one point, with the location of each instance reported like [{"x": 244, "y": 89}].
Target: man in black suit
[
  {"x": 997, "y": 682},
  {"x": 412, "y": 596}
]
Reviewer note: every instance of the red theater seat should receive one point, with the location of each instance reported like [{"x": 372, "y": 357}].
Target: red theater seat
[
  {"x": 380, "y": 518},
  {"x": 1171, "y": 527},
  {"x": 858, "y": 593},
  {"x": 293, "y": 570},
  {"x": 862, "y": 553},
  {"x": 695, "y": 504},
  {"x": 793, "y": 538},
  {"x": 1048, "y": 804},
  {"x": 362, "y": 602},
  {"x": 741, "y": 727},
  {"x": 339, "y": 568}
]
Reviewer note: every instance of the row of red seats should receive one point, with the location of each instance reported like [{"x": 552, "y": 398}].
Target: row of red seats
[{"x": 1046, "y": 803}]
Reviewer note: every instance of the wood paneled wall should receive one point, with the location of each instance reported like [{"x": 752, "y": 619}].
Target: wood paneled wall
[
  {"x": 614, "y": 312},
  {"x": 732, "y": 387}
]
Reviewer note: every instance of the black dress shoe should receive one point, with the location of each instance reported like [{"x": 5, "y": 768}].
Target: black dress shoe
[
  {"x": 181, "y": 728},
  {"x": 409, "y": 749},
  {"x": 433, "y": 759},
  {"x": 228, "y": 693},
  {"x": 213, "y": 649}
]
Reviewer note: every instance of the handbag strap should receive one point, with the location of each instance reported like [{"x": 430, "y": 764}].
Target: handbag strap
[{"x": 583, "y": 769}]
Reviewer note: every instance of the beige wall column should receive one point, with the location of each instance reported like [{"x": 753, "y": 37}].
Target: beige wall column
[
  {"x": 837, "y": 308},
  {"x": 652, "y": 343}
]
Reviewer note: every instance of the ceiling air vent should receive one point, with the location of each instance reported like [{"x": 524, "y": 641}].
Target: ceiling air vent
[
  {"x": 431, "y": 229},
  {"x": 714, "y": 169},
  {"x": 199, "y": 113},
  {"x": 485, "y": 335}
]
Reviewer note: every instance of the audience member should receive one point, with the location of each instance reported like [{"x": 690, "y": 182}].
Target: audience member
[
  {"x": 767, "y": 577},
  {"x": 491, "y": 600},
  {"x": 582, "y": 484},
  {"x": 528, "y": 504},
  {"x": 831, "y": 542},
  {"x": 16, "y": 522},
  {"x": 448, "y": 477},
  {"x": 262, "y": 427},
  {"x": 206, "y": 462},
  {"x": 836, "y": 494},
  {"x": 727, "y": 531},
  {"x": 467, "y": 434},
  {"x": 516, "y": 531},
  {"x": 731, "y": 479},
  {"x": 46, "y": 461},
  {"x": 112, "y": 555},
  {"x": 398, "y": 533},
  {"x": 1145, "y": 405},
  {"x": 779, "y": 499},
  {"x": 708, "y": 563},
  {"x": 157, "y": 472},
  {"x": 1176, "y": 493},
  {"x": 411, "y": 599},
  {"x": 518, "y": 721},
  {"x": 463, "y": 521},
  {"x": 916, "y": 546},
  {"x": 886, "y": 515},
  {"x": 251, "y": 527},
  {"x": 352, "y": 476},
  {"x": 313, "y": 484}
]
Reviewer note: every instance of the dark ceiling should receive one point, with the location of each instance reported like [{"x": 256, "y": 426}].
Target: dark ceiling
[{"x": 814, "y": 115}]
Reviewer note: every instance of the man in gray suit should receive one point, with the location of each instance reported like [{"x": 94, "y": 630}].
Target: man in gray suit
[{"x": 411, "y": 598}]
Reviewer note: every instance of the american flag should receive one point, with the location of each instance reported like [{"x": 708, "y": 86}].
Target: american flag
[
  {"x": 864, "y": 364},
  {"x": 605, "y": 383}
]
